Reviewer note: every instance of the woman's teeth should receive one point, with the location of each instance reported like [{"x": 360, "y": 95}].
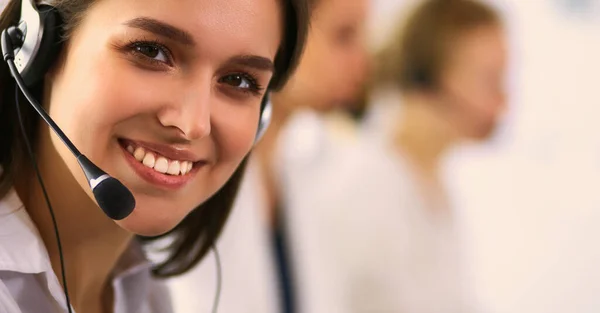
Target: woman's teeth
[{"x": 160, "y": 163}]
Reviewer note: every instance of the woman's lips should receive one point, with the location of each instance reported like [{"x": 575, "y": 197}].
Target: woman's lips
[{"x": 156, "y": 168}]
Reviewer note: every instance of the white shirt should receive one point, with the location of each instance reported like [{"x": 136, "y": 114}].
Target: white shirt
[
  {"x": 28, "y": 283},
  {"x": 369, "y": 242},
  {"x": 310, "y": 152},
  {"x": 249, "y": 282}
]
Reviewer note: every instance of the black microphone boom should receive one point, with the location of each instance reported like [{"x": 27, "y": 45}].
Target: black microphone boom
[{"x": 112, "y": 196}]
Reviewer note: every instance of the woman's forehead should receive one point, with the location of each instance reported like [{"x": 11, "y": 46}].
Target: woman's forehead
[
  {"x": 479, "y": 46},
  {"x": 236, "y": 26}
]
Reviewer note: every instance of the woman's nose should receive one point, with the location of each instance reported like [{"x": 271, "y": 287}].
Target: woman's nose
[{"x": 189, "y": 112}]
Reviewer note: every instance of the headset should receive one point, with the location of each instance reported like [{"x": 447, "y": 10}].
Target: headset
[
  {"x": 420, "y": 76},
  {"x": 29, "y": 49}
]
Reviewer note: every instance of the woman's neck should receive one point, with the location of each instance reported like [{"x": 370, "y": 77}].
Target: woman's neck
[
  {"x": 91, "y": 243},
  {"x": 423, "y": 136}
]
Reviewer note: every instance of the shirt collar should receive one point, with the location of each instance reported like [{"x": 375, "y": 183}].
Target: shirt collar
[
  {"x": 22, "y": 248},
  {"x": 132, "y": 261},
  {"x": 131, "y": 279}
]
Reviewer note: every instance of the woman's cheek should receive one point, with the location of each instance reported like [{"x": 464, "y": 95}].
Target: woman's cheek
[{"x": 234, "y": 136}]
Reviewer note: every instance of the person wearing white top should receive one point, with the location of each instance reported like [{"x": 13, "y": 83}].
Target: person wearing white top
[
  {"x": 249, "y": 282},
  {"x": 24, "y": 263},
  {"x": 378, "y": 232},
  {"x": 259, "y": 273},
  {"x": 162, "y": 98}
]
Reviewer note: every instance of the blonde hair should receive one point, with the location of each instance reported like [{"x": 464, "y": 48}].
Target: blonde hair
[{"x": 418, "y": 51}]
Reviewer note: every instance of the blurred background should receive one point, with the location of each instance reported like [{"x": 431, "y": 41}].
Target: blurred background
[
  {"x": 530, "y": 196},
  {"x": 315, "y": 229},
  {"x": 487, "y": 201}
]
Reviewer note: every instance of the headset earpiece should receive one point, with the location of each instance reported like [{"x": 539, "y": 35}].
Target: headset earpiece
[
  {"x": 40, "y": 42},
  {"x": 422, "y": 79},
  {"x": 266, "y": 112}
]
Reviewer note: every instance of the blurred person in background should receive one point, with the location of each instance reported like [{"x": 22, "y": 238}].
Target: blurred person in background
[
  {"x": 384, "y": 237},
  {"x": 259, "y": 272}
]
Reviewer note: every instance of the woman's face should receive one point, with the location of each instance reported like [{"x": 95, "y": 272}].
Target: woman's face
[
  {"x": 473, "y": 82},
  {"x": 334, "y": 64},
  {"x": 165, "y": 97}
]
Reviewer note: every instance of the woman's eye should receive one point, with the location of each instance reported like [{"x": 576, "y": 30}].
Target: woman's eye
[
  {"x": 240, "y": 81},
  {"x": 152, "y": 51}
]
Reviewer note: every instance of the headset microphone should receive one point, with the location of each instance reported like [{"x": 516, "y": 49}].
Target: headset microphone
[{"x": 112, "y": 196}]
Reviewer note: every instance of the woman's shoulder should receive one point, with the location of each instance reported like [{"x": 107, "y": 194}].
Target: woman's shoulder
[
  {"x": 23, "y": 260},
  {"x": 370, "y": 161},
  {"x": 21, "y": 247}
]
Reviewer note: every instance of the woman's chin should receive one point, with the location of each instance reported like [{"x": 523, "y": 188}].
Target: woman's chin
[
  {"x": 145, "y": 229},
  {"x": 147, "y": 224}
]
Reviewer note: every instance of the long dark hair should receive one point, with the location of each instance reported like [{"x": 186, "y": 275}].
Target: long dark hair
[{"x": 194, "y": 236}]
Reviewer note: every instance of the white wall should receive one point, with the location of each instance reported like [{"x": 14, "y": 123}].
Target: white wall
[{"x": 532, "y": 196}]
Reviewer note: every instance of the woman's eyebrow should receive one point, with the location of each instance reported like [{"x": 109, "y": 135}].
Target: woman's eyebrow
[
  {"x": 162, "y": 29},
  {"x": 253, "y": 61}
]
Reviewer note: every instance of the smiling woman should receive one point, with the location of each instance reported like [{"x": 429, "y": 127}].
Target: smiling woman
[{"x": 164, "y": 98}]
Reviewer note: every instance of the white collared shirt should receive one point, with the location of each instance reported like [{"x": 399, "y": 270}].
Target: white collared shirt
[
  {"x": 249, "y": 281},
  {"x": 361, "y": 229},
  {"x": 28, "y": 283}
]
